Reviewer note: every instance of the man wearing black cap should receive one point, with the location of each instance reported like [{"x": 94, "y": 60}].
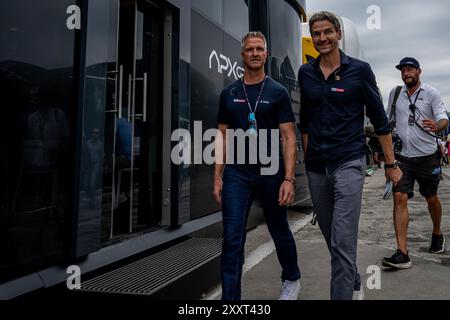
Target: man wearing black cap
[{"x": 417, "y": 112}]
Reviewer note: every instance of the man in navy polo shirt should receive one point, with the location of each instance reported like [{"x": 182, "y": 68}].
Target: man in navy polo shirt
[
  {"x": 253, "y": 105},
  {"x": 334, "y": 90}
]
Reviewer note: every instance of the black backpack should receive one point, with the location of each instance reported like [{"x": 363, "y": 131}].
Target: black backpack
[{"x": 392, "y": 117}]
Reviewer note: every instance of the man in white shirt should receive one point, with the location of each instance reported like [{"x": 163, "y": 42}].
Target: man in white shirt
[{"x": 418, "y": 115}]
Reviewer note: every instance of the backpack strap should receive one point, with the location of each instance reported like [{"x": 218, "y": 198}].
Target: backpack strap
[{"x": 392, "y": 118}]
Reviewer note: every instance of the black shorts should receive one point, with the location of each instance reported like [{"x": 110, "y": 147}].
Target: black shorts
[{"x": 420, "y": 169}]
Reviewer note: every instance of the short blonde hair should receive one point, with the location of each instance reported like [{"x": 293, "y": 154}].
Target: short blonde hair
[{"x": 253, "y": 34}]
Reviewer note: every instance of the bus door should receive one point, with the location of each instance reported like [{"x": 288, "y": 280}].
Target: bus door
[{"x": 136, "y": 173}]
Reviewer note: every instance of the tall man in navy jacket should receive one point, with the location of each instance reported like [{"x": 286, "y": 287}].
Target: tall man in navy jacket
[{"x": 334, "y": 90}]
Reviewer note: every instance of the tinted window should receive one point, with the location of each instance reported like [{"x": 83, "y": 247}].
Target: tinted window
[
  {"x": 210, "y": 8},
  {"x": 277, "y": 29},
  {"x": 98, "y": 102},
  {"x": 235, "y": 17},
  {"x": 36, "y": 77},
  {"x": 293, "y": 32},
  {"x": 285, "y": 42}
]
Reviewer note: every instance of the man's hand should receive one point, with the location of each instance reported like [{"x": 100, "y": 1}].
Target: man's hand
[
  {"x": 430, "y": 125},
  {"x": 394, "y": 174},
  {"x": 287, "y": 193},
  {"x": 217, "y": 193}
]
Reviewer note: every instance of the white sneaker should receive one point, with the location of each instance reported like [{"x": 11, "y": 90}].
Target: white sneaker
[
  {"x": 289, "y": 290},
  {"x": 358, "y": 295}
]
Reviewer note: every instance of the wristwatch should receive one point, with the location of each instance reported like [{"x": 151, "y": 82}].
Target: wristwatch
[{"x": 392, "y": 165}]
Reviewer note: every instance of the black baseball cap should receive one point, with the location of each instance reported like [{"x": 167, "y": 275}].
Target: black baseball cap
[{"x": 408, "y": 61}]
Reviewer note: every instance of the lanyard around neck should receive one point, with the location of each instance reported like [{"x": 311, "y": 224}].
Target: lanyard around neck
[
  {"x": 417, "y": 96},
  {"x": 259, "y": 95}
]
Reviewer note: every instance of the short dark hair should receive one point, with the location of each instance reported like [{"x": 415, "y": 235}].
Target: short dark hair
[{"x": 324, "y": 15}]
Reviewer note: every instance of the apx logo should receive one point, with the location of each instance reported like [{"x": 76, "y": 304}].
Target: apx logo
[{"x": 224, "y": 64}]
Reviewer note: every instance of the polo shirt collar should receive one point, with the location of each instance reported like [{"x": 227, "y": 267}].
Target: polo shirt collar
[
  {"x": 405, "y": 88},
  {"x": 344, "y": 59}
]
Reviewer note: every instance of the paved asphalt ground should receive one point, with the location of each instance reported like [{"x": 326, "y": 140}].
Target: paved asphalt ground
[{"x": 428, "y": 279}]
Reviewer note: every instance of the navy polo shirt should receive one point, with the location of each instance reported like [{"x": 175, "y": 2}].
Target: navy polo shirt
[
  {"x": 332, "y": 112},
  {"x": 273, "y": 109}
]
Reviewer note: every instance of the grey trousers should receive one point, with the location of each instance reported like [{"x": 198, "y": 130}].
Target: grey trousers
[{"x": 337, "y": 202}]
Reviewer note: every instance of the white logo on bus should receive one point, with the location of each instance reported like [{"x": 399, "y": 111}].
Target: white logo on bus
[{"x": 224, "y": 64}]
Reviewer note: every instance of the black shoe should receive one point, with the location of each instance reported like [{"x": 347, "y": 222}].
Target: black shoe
[
  {"x": 437, "y": 243},
  {"x": 399, "y": 261}
]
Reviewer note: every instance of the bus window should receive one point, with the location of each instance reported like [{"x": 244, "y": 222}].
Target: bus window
[
  {"x": 211, "y": 8},
  {"x": 285, "y": 42},
  {"x": 235, "y": 17}
]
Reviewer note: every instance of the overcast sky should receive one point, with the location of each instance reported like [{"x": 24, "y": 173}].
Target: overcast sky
[{"x": 416, "y": 28}]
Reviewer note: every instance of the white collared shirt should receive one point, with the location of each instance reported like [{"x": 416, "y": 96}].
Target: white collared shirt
[{"x": 417, "y": 143}]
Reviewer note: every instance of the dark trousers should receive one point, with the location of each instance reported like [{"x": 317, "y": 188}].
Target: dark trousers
[{"x": 240, "y": 185}]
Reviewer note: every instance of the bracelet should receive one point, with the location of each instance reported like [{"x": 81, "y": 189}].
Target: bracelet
[{"x": 290, "y": 179}]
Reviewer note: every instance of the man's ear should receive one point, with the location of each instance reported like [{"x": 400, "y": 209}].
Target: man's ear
[{"x": 339, "y": 32}]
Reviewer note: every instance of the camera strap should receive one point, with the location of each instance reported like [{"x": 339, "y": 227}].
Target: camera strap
[
  {"x": 428, "y": 133},
  {"x": 434, "y": 136},
  {"x": 392, "y": 116},
  {"x": 415, "y": 121}
]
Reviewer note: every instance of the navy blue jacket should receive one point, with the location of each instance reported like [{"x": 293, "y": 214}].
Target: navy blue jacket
[{"x": 332, "y": 112}]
